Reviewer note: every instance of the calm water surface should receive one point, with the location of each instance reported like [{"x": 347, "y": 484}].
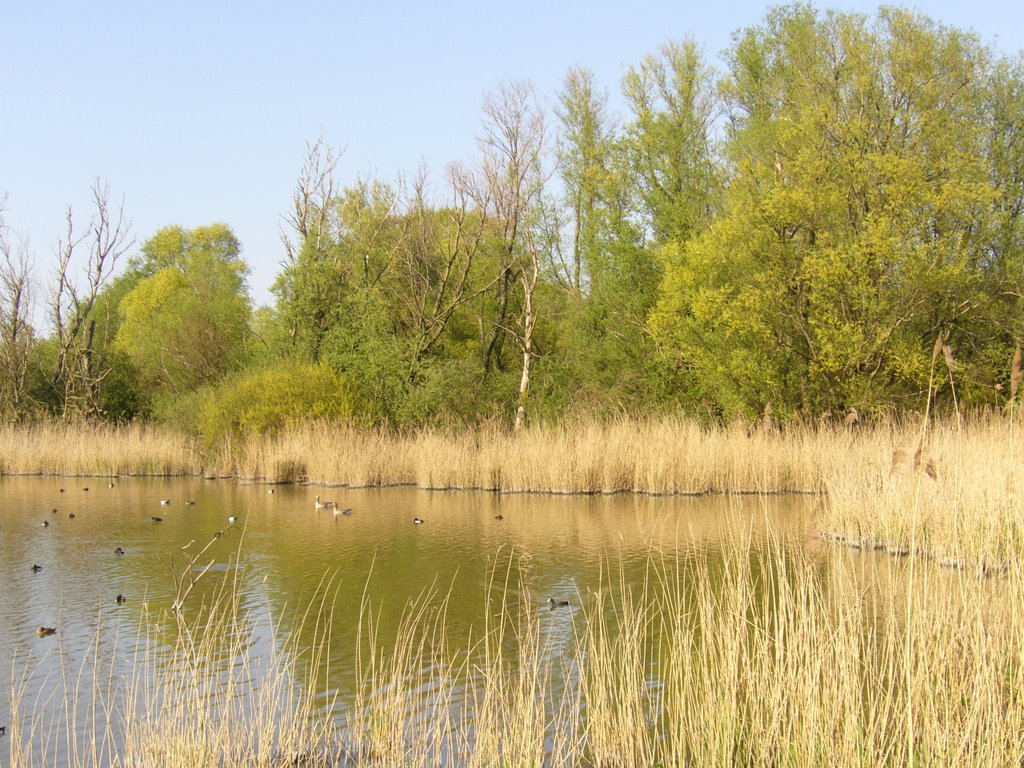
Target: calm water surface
[{"x": 281, "y": 549}]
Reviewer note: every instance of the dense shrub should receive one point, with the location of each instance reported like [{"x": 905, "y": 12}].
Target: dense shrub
[{"x": 264, "y": 401}]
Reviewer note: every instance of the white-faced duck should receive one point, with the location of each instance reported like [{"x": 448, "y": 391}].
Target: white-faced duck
[
  {"x": 46, "y": 631},
  {"x": 36, "y": 568},
  {"x": 417, "y": 521},
  {"x": 557, "y": 603}
]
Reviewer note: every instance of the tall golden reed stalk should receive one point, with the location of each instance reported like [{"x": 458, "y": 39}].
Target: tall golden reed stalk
[{"x": 762, "y": 655}]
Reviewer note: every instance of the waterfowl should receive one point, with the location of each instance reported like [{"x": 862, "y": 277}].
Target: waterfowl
[
  {"x": 36, "y": 568},
  {"x": 3, "y": 730},
  {"x": 189, "y": 502},
  {"x": 119, "y": 551},
  {"x": 317, "y": 504},
  {"x": 46, "y": 523},
  {"x": 417, "y": 521},
  {"x": 45, "y": 631},
  {"x": 499, "y": 517},
  {"x": 120, "y": 599},
  {"x": 232, "y": 518},
  {"x": 164, "y": 502},
  {"x": 110, "y": 484},
  {"x": 346, "y": 511},
  {"x": 86, "y": 488},
  {"x": 156, "y": 519},
  {"x": 62, "y": 490},
  {"x": 71, "y": 515},
  {"x": 557, "y": 603},
  {"x": 270, "y": 490}
]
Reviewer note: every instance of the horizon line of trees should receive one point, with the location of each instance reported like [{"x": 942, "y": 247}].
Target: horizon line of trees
[{"x": 801, "y": 234}]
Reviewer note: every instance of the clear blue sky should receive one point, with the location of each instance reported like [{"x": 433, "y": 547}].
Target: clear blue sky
[{"x": 198, "y": 112}]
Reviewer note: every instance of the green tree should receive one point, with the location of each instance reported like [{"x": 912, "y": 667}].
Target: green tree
[
  {"x": 857, "y": 217},
  {"x": 185, "y": 323}
]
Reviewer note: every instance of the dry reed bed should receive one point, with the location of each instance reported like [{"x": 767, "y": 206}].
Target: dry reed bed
[
  {"x": 671, "y": 456},
  {"x": 782, "y": 661},
  {"x": 951, "y": 493},
  {"x": 96, "y": 450}
]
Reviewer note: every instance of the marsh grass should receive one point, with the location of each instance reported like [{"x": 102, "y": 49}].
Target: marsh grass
[
  {"x": 759, "y": 655},
  {"x": 669, "y": 456},
  {"x": 95, "y": 449},
  {"x": 954, "y": 494},
  {"x": 949, "y": 490}
]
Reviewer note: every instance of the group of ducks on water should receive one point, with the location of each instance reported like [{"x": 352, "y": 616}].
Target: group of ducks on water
[
  {"x": 317, "y": 504},
  {"x": 553, "y": 603},
  {"x": 337, "y": 510},
  {"x": 331, "y": 505},
  {"x": 44, "y": 631}
]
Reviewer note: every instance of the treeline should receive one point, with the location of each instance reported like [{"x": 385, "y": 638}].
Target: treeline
[{"x": 801, "y": 234}]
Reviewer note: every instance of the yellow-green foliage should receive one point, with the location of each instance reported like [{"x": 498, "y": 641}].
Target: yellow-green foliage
[{"x": 266, "y": 401}]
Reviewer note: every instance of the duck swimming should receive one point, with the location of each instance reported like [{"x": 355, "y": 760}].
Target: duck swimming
[
  {"x": 165, "y": 502},
  {"x": 119, "y": 551},
  {"x": 317, "y": 504},
  {"x": 36, "y": 568},
  {"x": 557, "y": 603},
  {"x": 417, "y": 521},
  {"x": 156, "y": 519},
  {"x": 120, "y": 599},
  {"x": 46, "y": 631}
]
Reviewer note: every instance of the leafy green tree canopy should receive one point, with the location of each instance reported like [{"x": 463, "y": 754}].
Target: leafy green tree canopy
[{"x": 186, "y": 321}]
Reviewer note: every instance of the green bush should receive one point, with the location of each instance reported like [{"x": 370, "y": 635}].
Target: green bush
[{"x": 265, "y": 401}]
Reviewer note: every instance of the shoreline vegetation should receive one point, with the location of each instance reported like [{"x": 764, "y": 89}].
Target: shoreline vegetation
[
  {"x": 921, "y": 671},
  {"x": 951, "y": 490}
]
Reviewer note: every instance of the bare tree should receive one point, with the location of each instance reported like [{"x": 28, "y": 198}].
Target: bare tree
[
  {"x": 15, "y": 329},
  {"x": 75, "y": 378},
  {"x": 513, "y": 143},
  {"x": 316, "y": 190},
  {"x": 437, "y": 258}
]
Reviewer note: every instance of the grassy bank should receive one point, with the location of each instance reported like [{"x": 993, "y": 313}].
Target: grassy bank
[
  {"x": 951, "y": 491},
  {"x": 778, "y": 660}
]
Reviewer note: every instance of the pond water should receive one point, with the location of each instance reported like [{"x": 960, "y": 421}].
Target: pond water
[{"x": 282, "y": 551}]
